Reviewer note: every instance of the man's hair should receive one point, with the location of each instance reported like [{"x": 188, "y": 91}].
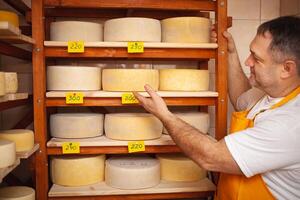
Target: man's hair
[{"x": 285, "y": 32}]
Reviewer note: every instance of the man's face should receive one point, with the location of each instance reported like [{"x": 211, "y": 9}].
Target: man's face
[{"x": 264, "y": 70}]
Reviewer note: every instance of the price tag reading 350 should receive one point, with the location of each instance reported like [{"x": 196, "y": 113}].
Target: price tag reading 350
[
  {"x": 70, "y": 147},
  {"x": 135, "y": 47},
  {"x": 129, "y": 98},
  {"x": 136, "y": 146},
  {"x": 74, "y": 98},
  {"x": 75, "y": 47}
]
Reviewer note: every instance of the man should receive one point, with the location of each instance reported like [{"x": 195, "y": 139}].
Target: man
[{"x": 261, "y": 160}]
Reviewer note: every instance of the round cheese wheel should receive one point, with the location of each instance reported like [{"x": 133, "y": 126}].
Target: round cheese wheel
[
  {"x": 199, "y": 120},
  {"x": 132, "y": 172},
  {"x": 132, "y": 29},
  {"x": 17, "y": 193},
  {"x": 186, "y": 30},
  {"x": 183, "y": 80},
  {"x": 23, "y": 138},
  {"x": 77, "y": 170},
  {"x": 7, "y": 152},
  {"x": 11, "y": 82},
  {"x": 76, "y": 125},
  {"x": 132, "y": 126},
  {"x": 2, "y": 84},
  {"x": 73, "y": 78},
  {"x": 129, "y": 79},
  {"x": 10, "y": 17},
  {"x": 177, "y": 167},
  {"x": 75, "y": 31}
]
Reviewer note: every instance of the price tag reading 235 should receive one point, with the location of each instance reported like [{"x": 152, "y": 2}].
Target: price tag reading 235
[
  {"x": 70, "y": 147},
  {"x": 135, "y": 47},
  {"x": 136, "y": 146},
  {"x": 74, "y": 98},
  {"x": 75, "y": 47}
]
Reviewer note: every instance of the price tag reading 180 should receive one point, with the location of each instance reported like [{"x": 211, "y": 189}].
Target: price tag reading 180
[
  {"x": 129, "y": 98},
  {"x": 70, "y": 147},
  {"x": 135, "y": 47},
  {"x": 74, "y": 98},
  {"x": 75, "y": 47},
  {"x": 136, "y": 146}
]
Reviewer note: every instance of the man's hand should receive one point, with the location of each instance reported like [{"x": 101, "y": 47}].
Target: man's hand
[
  {"x": 227, "y": 35},
  {"x": 155, "y": 104}
]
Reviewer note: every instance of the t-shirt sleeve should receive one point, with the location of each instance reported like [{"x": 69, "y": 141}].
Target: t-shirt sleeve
[
  {"x": 273, "y": 143},
  {"x": 249, "y": 98}
]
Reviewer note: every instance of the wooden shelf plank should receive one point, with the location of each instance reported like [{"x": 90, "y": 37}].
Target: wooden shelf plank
[
  {"x": 165, "y": 190},
  {"x": 5, "y": 171},
  {"x": 104, "y": 145},
  {"x": 14, "y": 100},
  {"x": 207, "y": 5},
  {"x": 13, "y": 51},
  {"x": 12, "y": 34},
  {"x": 19, "y": 5},
  {"x": 27, "y": 154}
]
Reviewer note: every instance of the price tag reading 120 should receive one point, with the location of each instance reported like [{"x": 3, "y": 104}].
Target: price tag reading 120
[
  {"x": 75, "y": 47},
  {"x": 135, "y": 47},
  {"x": 74, "y": 98},
  {"x": 129, "y": 98},
  {"x": 136, "y": 146},
  {"x": 70, "y": 147}
]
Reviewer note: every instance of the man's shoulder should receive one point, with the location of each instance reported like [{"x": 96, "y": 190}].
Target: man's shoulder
[{"x": 249, "y": 98}]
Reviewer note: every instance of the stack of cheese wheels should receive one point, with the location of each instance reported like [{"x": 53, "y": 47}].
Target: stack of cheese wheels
[
  {"x": 76, "y": 30},
  {"x": 7, "y": 152},
  {"x": 183, "y": 79},
  {"x": 132, "y": 29},
  {"x": 23, "y": 138},
  {"x": 76, "y": 125},
  {"x": 199, "y": 120},
  {"x": 129, "y": 79},
  {"x": 10, "y": 17},
  {"x": 11, "y": 82},
  {"x": 77, "y": 170},
  {"x": 186, "y": 30},
  {"x": 2, "y": 84},
  {"x": 73, "y": 78},
  {"x": 17, "y": 193},
  {"x": 132, "y": 126},
  {"x": 132, "y": 172},
  {"x": 177, "y": 167}
]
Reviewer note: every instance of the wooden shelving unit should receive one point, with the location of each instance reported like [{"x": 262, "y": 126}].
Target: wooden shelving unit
[{"x": 43, "y": 100}]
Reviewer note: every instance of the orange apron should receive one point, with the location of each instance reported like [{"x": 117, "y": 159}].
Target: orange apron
[{"x": 239, "y": 187}]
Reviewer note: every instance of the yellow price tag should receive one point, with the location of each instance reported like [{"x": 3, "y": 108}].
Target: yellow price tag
[
  {"x": 70, "y": 147},
  {"x": 74, "y": 98},
  {"x": 135, "y": 47},
  {"x": 75, "y": 47},
  {"x": 129, "y": 98},
  {"x": 136, "y": 146}
]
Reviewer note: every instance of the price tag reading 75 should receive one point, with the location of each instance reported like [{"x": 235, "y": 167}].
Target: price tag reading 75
[
  {"x": 70, "y": 147},
  {"x": 135, "y": 47}
]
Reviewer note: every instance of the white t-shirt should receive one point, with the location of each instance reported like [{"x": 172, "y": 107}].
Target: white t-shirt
[{"x": 271, "y": 147}]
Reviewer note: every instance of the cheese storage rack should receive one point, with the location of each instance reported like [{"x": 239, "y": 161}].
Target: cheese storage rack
[{"x": 44, "y": 11}]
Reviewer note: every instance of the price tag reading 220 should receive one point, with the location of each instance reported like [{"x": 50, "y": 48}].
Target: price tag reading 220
[
  {"x": 136, "y": 146},
  {"x": 75, "y": 47}
]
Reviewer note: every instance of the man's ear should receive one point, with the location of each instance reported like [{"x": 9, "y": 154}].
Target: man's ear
[{"x": 289, "y": 69}]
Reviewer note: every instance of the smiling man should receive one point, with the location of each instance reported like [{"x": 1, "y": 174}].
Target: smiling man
[{"x": 260, "y": 158}]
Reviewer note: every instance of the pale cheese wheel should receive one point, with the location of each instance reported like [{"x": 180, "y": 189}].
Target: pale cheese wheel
[
  {"x": 132, "y": 126},
  {"x": 23, "y": 138},
  {"x": 129, "y": 79},
  {"x": 77, "y": 170},
  {"x": 75, "y": 31},
  {"x": 186, "y": 30},
  {"x": 183, "y": 80},
  {"x": 76, "y": 125},
  {"x": 199, "y": 120},
  {"x": 11, "y": 82},
  {"x": 17, "y": 193},
  {"x": 78, "y": 78},
  {"x": 132, "y": 172},
  {"x": 132, "y": 29},
  {"x": 2, "y": 84},
  {"x": 177, "y": 167},
  {"x": 7, "y": 152},
  {"x": 10, "y": 17}
]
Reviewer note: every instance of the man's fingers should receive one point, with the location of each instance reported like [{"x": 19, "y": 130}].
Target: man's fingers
[
  {"x": 227, "y": 35},
  {"x": 150, "y": 91},
  {"x": 139, "y": 97}
]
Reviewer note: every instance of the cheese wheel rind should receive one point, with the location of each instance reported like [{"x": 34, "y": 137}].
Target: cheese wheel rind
[
  {"x": 78, "y": 78},
  {"x": 132, "y": 172},
  {"x": 129, "y": 79},
  {"x": 132, "y": 126},
  {"x": 76, "y": 31},
  {"x": 76, "y": 125},
  {"x": 17, "y": 193},
  {"x": 132, "y": 29},
  {"x": 77, "y": 170},
  {"x": 2, "y": 84},
  {"x": 11, "y": 82},
  {"x": 7, "y": 152},
  {"x": 23, "y": 138},
  {"x": 9, "y": 17}
]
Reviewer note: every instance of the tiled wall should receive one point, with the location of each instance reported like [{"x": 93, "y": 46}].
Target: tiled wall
[{"x": 290, "y": 7}]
